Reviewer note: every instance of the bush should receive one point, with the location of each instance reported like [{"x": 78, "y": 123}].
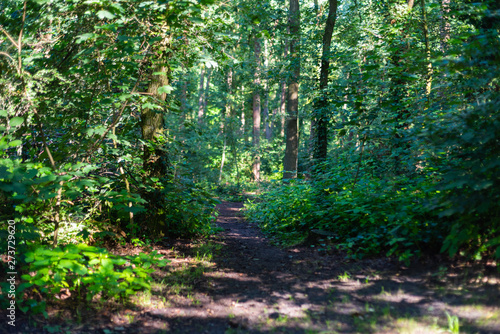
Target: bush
[
  {"x": 367, "y": 219},
  {"x": 84, "y": 271}
]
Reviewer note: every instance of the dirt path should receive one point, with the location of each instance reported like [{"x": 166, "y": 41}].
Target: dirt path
[
  {"x": 256, "y": 287},
  {"x": 247, "y": 285}
]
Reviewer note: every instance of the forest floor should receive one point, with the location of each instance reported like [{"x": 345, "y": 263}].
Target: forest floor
[{"x": 238, "y": 282}]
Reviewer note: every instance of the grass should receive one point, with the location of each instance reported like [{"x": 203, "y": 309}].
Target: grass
[
  {"x": 453, "y": 323},
  {"x": 344, "y": 277}
]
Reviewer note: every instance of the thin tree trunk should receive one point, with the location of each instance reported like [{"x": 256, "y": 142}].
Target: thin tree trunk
[
  {"x": 283, "y": 108},
  {"x": 201, "y": 103},
  {"x": 267, "y": 119},
  {"x": 428, "y": 84},
  {"x": 256, "y": 112},
  {"x": 283, "y": 95},
  {"x": 290, "y": 162},
  {"x": 321, "y": 112},
  {"x": 223, "y": 159},
  {"x": 184, "y": 105},
  {"x": 207, "y": 90},
  {"x": 243, "y": 123},
  {"x": 227, "y": 113}
]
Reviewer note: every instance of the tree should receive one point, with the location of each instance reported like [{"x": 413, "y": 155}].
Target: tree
[
  {"x": 320, "y": 117},
  {"x": 155, "y": 158},
  {"x": 292, "y": 134},
  {"x": 256, "y": 111}
]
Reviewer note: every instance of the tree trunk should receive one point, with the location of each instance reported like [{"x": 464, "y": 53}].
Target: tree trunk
[
  {"x": 428, "y": 84},
  {"x": 283, "y": 95},
  {"x": 201, "y": 104},
  {"x": 283, "y": 108},
  {"x": 227, "y": 113},
  {"x": 321, "y": 112},
  {"x": 256, "y": 112},
  {"x": 155, "y": 162},
  {"x": 207, "y": 90},
  {"x": 243, "y": 123},
  {"x": 292, "y": 136},
  {"x": 267, "y": 119}
]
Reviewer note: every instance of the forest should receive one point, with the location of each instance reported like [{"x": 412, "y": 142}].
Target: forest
[{"x": 139, "y": 139}]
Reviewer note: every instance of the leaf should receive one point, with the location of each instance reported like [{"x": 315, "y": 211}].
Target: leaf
[
  {"x": 165, "y": 89},
  {"x": 82, "y": 38},
  {"x": 104, "y": 14},
  {"x": 41, "y": 263},
  {"x": 195, "y": 20},
  {"x": 15, "y": 143},
  {"x": 15, "y": 121},
  {"x": 493, "y": 242},
  {"x": 30, "y": 257}
]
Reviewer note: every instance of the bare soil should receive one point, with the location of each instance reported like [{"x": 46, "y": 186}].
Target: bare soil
[{"x": 252, "y": 286}]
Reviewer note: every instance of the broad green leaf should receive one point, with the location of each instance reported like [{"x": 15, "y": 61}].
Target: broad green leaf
[
  {"x": 165, "y": 89},
  {"x": 83, "y": 37},
  {"x": 16, "y": 121},
  {"x": 15, "y": 143},
  {"x": 104, "y": 14}
]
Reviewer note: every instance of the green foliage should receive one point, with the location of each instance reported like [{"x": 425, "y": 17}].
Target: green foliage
[
  {"x": 179, "y": 208},
  {"x": 409, "y": 170},
  {"x": 284, "y": 211},
  {"x": 471, "y": 181},
  {"x": 85, "y": 272},
  {"x": 366, "y": 219}
]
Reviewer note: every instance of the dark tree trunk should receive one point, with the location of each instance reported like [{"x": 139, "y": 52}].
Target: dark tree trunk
[
  {"x": 201, "y": 103},
  {"x": 292, "y": 136},
  {"x": 321, "y": 106},
  {"x": 206, "y": 94}
]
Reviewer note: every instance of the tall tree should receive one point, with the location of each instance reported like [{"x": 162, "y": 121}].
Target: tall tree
[
  {"x": 201, "y": 99},
  {"x": 428, "y": 84},
  {"x": 267, "y": 118},
  {"x": 155, "y": 162},
  {"x": 319, "y": 126},
  {"x": 292, "y": 135},
  {"x": 256, "y": 111}
]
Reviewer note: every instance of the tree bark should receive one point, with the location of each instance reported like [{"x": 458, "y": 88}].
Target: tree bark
[
  {"x": 256, "y": 112},
  {"x": 283, "y": 94},
  {"x": 225, "y": 114},
  {"x": 201, "y": 104},
  {"x": 242, "y": 118},
  {"x": 206, "y": 94},
  {"x": 155, "y": 162},
  {"x": 321, "y": 112},
  {"x": 428, "y": 84},
  {"x": 282, "y": 107},
  {"x": 290, "y": 162},
  {"x": 267, "y": 119}
]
